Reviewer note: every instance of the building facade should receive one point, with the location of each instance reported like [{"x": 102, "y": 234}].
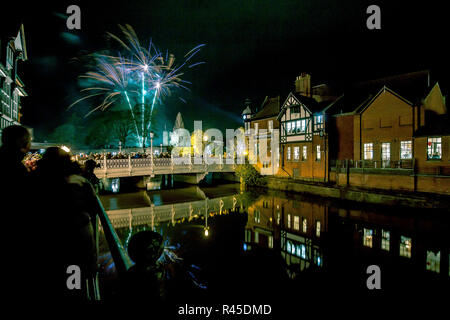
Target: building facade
[
  {"x": 389, "y": 133},
  {"x": 12, "y": 90}
]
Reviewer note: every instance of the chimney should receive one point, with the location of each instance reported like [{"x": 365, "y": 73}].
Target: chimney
[{"x": 303, "y": 84}]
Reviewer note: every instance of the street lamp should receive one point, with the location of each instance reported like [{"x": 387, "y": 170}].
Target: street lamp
[{"x": 151, "y": 145}]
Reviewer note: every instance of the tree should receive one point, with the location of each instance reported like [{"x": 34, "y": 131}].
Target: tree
[{"x": 249, "y": 175}]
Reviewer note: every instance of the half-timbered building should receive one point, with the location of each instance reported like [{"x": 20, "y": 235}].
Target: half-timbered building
[
  {"x": 303, "y": 134},
  {"x": 11, "y": 86}
]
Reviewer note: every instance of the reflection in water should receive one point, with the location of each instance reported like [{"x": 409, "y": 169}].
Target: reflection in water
[{"x": 264, "y": 242}]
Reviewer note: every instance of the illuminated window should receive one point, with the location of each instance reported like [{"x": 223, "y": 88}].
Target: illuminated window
[
  {"x": 290, "y": 247},
  {"x": 318, "y": 228},
  {"x": 257, "y": 216},
  {"x": 304, "y": 153},
  {"x": 256, "y": 128},
  {"x": 367, "y": 240},
  {"x": 317, "y": 153},
  {"x": 256, "y": 237},
  {"x": 289, "y": 153},
  {"x": 296, "y": 153},
  {"x": 270, "y": 242},
  {"x": 292, "y": 127},
  {"x": 405, "y": 247},
  {"x": 296, "y": 223},
  {"x": 385, "y": 151},
  {"x": 270, "y": 125},
  {"x": 289, "y": 221},
  {"x": 405, "y": 150},
  {"x": 304, "y": 225},
  {"x": 301, "y": 251},
  {"x": 434, "y": 261},
  {"x": 368, "y": 151},
  {"x": 434, "y": 148},
  {"x": 301, "y": 126},
  {"x": 385, "y": 240}
]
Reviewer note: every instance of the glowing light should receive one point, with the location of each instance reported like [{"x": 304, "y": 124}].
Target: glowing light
[
  {"x": 66, "y": 149},
  {"x": 206, "y": 232}
]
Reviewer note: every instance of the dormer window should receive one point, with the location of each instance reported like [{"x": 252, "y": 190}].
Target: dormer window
[
  {"x": 295, "y": 109},
  {"x": 9, "y": 57}
]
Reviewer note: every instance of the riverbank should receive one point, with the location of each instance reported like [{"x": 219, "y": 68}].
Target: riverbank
[{"x": 371, "y": 196}]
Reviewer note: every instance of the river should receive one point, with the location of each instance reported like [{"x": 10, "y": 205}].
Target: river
[{"x": 260, "y": 245}]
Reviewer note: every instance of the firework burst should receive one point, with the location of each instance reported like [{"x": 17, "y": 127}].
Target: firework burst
[{"x": 141, "y": 76}]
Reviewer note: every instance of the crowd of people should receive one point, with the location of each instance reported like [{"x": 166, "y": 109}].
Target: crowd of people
[
  {"x": 54, "y": 200},
  {"x": 56, "y": 206}
]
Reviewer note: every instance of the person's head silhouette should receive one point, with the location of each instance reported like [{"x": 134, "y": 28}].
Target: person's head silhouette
[
  {"x": 145, "y": 247},
  {"x": 16, "y": 139}
]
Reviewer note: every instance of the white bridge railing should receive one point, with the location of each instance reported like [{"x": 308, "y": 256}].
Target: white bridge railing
[{"x": 148, "y": 166}]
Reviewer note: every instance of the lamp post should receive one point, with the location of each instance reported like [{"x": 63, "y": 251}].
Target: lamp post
[{"x": 151, "y": 145}]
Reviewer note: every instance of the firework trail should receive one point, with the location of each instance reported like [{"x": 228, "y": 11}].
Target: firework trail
[{"x": 131, "y": 76}]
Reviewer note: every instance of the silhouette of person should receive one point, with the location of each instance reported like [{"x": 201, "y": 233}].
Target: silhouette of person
[
  {"x": 16, "y": 142},
  {"x": 89, "y": 174},
  {"x": 70, "y": 209},
  {"x": 14, "y": 181},
  {"x": 143, "y": 280}
]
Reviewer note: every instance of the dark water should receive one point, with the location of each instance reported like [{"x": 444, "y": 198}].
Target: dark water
[{"x": 278, "y": 248}]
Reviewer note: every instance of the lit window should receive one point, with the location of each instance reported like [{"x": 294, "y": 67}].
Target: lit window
[
  {"x": 405, "y": 247},
  {"x": 289, "y": 221},
  {"x": 304, "y": 225},
  {"x": 434, "y": 148},
  {"x": 256, "y": 128},
  {"x": 434, "y": 261},
  {"x": 367, "y": 241},
  {"x": 318, "y": 153},
  {"x": 385, "y": 240},
  {"x": 296, "y": 223},
  {"x": 318, "y": 228},
  {"x": 385, "y": 151},
  {"x": 270, "y": 242},
  {"x": 301, "y": 251},
  {"x": 256, "y": 237},
  {"x": 289, "y": 153},
  {"x": 301, "y": 125},
  {"x": 296, "y": 153},
  {"x": 271, "y": 125},
  {"x": 368, "y": 151},
  {"x": 304, "y": 153},
  {"x": 257, "y": 216},
  {"x": 405, "y": 150}
]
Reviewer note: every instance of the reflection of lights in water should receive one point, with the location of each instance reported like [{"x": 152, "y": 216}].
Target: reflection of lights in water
[{"x": 115, "y": 185}]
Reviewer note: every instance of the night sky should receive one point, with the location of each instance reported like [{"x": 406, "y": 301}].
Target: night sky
[{"x": 253, "y": 48}]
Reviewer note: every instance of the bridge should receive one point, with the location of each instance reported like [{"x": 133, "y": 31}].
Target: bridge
[
  {"x": 126, "y": 218},
  {"x": 118, "y": 168}
]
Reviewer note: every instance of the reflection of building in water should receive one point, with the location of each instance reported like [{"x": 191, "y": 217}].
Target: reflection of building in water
[
  {"x": 311, "y": 234},
  {"x": 418, "y": 243},
  {"x": 292, "y": 226}
]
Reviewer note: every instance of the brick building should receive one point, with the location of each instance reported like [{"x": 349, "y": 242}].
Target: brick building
[
  {"x": 304, "y": 132},
  {"x": 264, "y": 123}
]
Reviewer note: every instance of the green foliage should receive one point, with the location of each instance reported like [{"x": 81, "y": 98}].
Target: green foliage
[{"x": 250, "y": 175}]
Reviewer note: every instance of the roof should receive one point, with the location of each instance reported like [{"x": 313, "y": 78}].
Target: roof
[
  {"x": 247, "y": 110},
  {"x": 435, "y": 125},
  {"x": 413, "y": 86},
  {"x": 269, "y": 108}
]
